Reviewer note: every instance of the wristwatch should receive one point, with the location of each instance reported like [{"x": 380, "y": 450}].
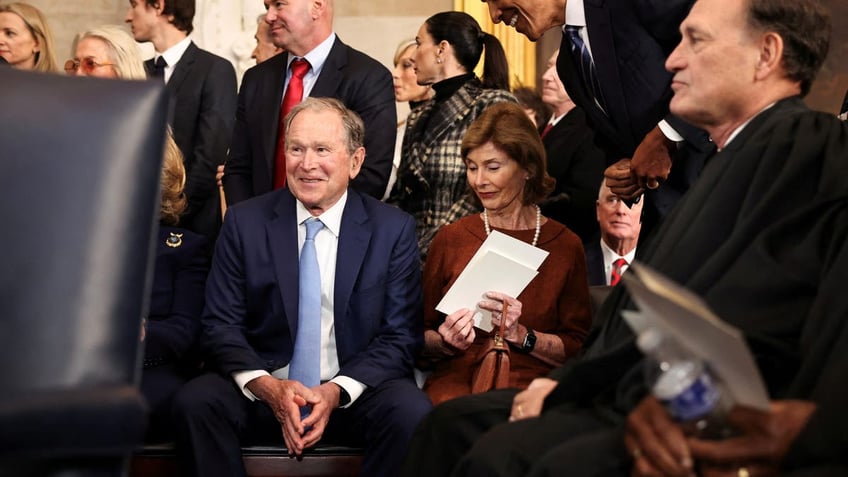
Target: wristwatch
[{"x": 529, "y": 341}]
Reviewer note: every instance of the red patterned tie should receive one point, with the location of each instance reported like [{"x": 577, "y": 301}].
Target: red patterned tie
[
  {"x": 615, "y": 275},
  {"x": 294, "y": 94}
]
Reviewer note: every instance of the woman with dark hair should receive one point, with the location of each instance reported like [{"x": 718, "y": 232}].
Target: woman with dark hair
[
  {"x": 505, "y": 163},
  {"x": 431, "y": 178}
]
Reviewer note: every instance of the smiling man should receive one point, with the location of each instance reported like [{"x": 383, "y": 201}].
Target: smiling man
[{"x": 313, "y": 314}]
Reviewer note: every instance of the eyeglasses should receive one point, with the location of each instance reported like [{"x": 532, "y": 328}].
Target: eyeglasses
[{"x": 88, "y": 65}]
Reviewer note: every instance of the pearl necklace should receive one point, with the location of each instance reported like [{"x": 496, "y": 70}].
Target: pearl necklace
[{"x": 538, "y": 224}]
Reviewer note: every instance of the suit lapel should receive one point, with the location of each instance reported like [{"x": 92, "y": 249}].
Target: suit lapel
[
  {"x": 354, "y": 237},
  {"x": 282, "y": 240},
  {"x": 606, "y": 64},
  {"x": 270, "y": 85},
  {"x": 183, "y": 68},
  {"x": 330, "y": 79}
]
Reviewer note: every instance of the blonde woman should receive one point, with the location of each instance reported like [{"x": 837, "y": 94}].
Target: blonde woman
[
  {"x": 182, "y": 257},
  {"x": 408, "y": 90},
  {"x": 25, "y": 39}
]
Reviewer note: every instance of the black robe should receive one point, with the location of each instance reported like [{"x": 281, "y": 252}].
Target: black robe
[{"x": 760, "y": 237}]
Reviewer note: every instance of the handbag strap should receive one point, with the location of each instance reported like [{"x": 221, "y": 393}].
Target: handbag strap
[{"x": 503, "y": 318}]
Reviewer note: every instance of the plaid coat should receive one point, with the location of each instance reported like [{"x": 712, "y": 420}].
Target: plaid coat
[{"x": 431, "y": 183}]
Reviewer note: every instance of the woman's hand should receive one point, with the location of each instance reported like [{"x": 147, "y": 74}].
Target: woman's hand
[
  {"x": 458, "y": 329},
  {"x": 495, "y": 304}
]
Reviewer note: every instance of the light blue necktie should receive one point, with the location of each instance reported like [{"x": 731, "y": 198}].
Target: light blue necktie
[
  {"x": 306, "y": 358},
  {"x": 586, "y": 65}
]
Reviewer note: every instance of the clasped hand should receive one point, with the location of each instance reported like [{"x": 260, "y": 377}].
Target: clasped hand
[
  {"x": 286, "y": 398},
  {"x": 650, "y": 165}
]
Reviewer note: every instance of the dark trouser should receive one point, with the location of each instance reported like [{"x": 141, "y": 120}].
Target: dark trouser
[
  {"x": 213, "y": 418},
  {"x": 471, "y": 436}
]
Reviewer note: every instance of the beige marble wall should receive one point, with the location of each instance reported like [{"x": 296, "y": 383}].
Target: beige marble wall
[{"x": 376, "y": 26}]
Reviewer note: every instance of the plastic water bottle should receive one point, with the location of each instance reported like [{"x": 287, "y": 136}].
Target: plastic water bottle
[{"x": 684, "y": 384}]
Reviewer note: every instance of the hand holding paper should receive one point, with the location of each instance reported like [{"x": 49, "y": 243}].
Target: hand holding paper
[{"x": 502, "y": 264}]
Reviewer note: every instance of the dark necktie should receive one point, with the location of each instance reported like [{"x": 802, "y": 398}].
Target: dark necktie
[
  {"x": 547, "y": 129},
  {"x": 586, "y": 67},
  {"x": 159, "y": 68},
  {"x": 615, "y": 274},
  {"x": 306, "y": 357},
  {"x": 294, "y": 94}
]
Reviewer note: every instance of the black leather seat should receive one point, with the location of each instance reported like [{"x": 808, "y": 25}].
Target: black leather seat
[{"x": 79, "y": 192}]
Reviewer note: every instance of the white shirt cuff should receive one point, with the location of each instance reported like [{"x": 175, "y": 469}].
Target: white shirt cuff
[
  {"x": 243, "y": 377},
  {"x": 353, "y": 387},
  {"x": 669, "y": 131}
]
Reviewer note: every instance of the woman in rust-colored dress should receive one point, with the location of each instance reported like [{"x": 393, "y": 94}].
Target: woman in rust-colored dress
[{"x": 547, "y": 323}]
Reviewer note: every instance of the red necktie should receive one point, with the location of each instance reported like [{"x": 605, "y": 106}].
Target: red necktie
[
  {"x": 547, "y": 129},
  {"x": 294, "y": 94},
  {"x": 615, "y": 275}
]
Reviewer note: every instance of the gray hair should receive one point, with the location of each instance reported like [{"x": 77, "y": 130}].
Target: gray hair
[{"x": 353, "y": 126}]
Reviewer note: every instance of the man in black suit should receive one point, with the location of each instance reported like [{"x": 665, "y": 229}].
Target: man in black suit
[
  {"x": 627, "y": 104},
  {"x": 574, "y": 160},
  {"x": 610, "y": 255},
  {"x": 203, "y": 91},
  {"x": 305, "y": 30}
]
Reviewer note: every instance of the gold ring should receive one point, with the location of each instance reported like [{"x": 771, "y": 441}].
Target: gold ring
[
  {"x": 636, "y": 454},
  {"x": 743, "y": 472},
  {"x": 519, "y": 410},
  {"x": 653, "y": 184}
]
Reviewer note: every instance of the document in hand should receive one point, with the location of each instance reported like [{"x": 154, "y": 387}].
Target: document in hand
[
  {"x": 503, "y": 264},
  {"x": 685, "y": 317}
]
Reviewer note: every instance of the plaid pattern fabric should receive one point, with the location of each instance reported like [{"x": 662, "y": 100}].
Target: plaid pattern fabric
[{"x": 431, "y": 182}]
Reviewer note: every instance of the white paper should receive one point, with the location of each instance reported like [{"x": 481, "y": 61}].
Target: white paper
[
  {"x": 503, "y": 264},
  {"x": 685, "y": 317}
]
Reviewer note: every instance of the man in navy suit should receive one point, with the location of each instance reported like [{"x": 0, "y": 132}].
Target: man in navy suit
[
  {"x": 203, "y": 93},
  {"x": 304, "y": 29},
  {"x": 370, "y": 304},
  {"x": 620, "y": 226}
]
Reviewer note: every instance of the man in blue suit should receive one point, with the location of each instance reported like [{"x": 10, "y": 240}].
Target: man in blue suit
[{"x": 370, "y": 301}]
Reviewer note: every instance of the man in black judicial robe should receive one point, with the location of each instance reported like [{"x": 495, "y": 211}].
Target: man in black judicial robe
[{"x": 756, "y": 236}]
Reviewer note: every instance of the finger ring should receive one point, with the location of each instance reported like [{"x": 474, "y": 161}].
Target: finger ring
[
  {"x": 743, "y": 472},
  {"x": 519, "y": 410},
  {"x": 653, "y": 184},
  {"x": 636, "y": 454}
]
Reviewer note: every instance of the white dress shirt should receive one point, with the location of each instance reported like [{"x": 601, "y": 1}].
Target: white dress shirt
[
  {"x": 326, "y": 247},
  {"x": 172, "y": 56},
  {"x": 316, "y": 58},
  {"x": 610, "y": 256}
]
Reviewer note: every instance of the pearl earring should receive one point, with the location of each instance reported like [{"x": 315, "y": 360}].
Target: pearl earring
[{"x": 439, "y": 59}]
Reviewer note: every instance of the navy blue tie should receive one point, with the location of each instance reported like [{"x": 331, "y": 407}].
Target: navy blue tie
[
  {"x": 306, "y": 358},
  {"x": 586, "y": 66}
]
